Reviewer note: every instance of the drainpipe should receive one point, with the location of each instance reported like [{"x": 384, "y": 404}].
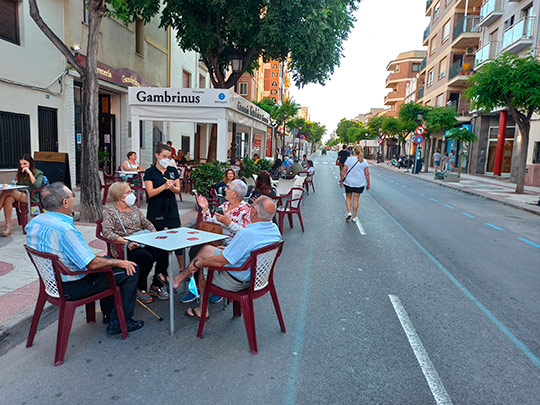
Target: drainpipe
[{"x": 466, "y": 7}]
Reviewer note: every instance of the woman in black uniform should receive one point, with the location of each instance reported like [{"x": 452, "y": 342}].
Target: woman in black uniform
[{"x": 162, "y": 184}]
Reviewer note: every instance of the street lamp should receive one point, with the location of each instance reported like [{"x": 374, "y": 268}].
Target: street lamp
[
  {"x": 236, "y": 66},
  {"x": 419, "y": 118}
]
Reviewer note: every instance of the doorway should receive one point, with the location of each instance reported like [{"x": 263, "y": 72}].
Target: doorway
[
  {"x": 107, "y": 132},
  {"x": 507, "y": 152}
]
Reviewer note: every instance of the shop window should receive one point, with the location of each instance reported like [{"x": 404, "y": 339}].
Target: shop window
[
  {"x": 186, "y": 79},
  {"x": 9, "y": 21},
  {"x": 243, "y": 89},
  {"x": 536, "y": 154},
  {"x": 15, "y": 140},
  {"x": 139, "y": 37}
]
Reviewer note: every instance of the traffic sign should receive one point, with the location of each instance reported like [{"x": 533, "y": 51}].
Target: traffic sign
[
  {"x": 302, "y": 137},
  {"x": 379, "y": 141},
  {"x": 420, "y": 130},
  {"x": 418, "y": 139}
]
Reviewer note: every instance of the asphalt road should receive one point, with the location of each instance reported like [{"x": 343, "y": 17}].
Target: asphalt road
[{"x": 433, "y": 299}]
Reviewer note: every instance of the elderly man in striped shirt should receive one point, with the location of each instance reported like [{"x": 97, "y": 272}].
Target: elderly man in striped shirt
[{"x": 53, "y": 232}]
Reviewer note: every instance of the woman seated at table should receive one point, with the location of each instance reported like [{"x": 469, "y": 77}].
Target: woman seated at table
[
  {"x": 180, "y": 158},
  {"x": 124, "y": 219},
  {"x": 130, "y": 165},
  {"x": 263, "y": 186},
  {"x": 27, "y": 175},
  {"x": 228, "y": 178},
  {"x": 310, "y": 169},
  {"x": 275, "y": 171}
]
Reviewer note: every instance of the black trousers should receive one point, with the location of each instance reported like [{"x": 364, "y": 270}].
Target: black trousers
[
  {"x": 96, "y": 282},
  {"x": 145, "y": 258}
]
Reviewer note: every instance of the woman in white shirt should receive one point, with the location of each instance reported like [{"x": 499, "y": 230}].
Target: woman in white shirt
[
  {"x": 130, "y": 165},
  {"x": 355, "y": 177}
]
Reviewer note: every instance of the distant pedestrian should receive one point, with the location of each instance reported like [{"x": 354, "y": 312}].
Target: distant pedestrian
[
  {"x": 445, "y": 162},
  {"x": 452, "y": 160},
  {"x": 437, "y": 159},
  {"x": 343, "y": 154},
  {"x": 355, "y": 178}
]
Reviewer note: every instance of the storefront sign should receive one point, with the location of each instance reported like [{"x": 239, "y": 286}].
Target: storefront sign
[
  {"x": 122, "y": 77},
  {"x": 271, "y": 84}
]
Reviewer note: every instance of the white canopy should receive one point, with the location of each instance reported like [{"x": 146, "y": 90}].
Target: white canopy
[{"x": 212, "y": 106}]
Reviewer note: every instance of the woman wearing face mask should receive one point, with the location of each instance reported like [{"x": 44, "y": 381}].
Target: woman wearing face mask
[{"x": 123, "y": 219}]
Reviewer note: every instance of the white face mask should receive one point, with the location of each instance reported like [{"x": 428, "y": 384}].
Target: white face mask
[
  {"x": 164, "y": 163},
  {"x": 130, "y": 199}
]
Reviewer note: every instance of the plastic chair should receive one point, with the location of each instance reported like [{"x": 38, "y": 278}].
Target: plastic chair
[
  {"x": 292, "y": 206},
  {"x": 262, "y": 263},
  {"x": 136, "y": 183},
  {"x": 110, "y": 243},
  {"x": 308, "y": 180},
  {"x": 106, "y": 180},
  {"x": 49, "y": 269},
  {"x": 22, "y": 208}
]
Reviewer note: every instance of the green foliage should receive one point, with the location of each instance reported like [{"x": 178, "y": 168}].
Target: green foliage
[
  {"x": 409, "y": 113},
  {"x": 440, "y": 119},
  {"x": 461, "y": 134},
  {"x": 343, "y": 132},
  {"x": 249, "y": 168},
  {"x": 375, "y": 126},
  {"x": 287, "y": 110},
  {"x": 264, "y": 164},
  {"x": 317, "y": 131},
  {"x": 333, "y": 142},
  {"x": 507, "y": 81},
  {"x": 207, "y": 174},
  {"x": 273, "y": 29},
  {"x": 270, "y": 106}
]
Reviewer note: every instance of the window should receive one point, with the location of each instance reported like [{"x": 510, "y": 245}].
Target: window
[
  {"x": 446, "y": 32},
  {"x": 442, "y": 68},
  {"x": 84, "y": 12},
  {"x": 139, "y": 37},
  {"x": 243, "y": 87},
  {"x": 416, "y": 67},
  {"x": 202, "y": 82},
  {"x": 9, "y": 21},
  {"x": 397, "y": 69},
  {"x": 439, "y": 100},
  {"x": 15, "y": 140},
  {"x": 536, "y": 154},
  {"x": 186, "y": 79},
  {"x": 436, "y": 11},
  {"x": 433, "y": 45},
  {"x": 430, "y": 78}
]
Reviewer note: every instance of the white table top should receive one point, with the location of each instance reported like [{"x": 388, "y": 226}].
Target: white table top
[
  {"x": 129, "y": 172},
  {"x": 11, "y": 187},
  {"x": 173, "y": 239}
]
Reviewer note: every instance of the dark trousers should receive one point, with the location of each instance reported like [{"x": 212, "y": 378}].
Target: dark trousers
[
  {"x": 145, "y": 258},
  {"x": 96, "y": 282}
]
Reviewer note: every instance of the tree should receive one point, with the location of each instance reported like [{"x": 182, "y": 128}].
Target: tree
[
  {"x": 398, "y": 128},
  {"x": 461, "y": 135},
  {"x": 317, "y": 131},
  {"x": 273, "y": 29},
  {"x": 97, "y": 9},
  {"x": 271, "y": 107},
  {"x": 343, "y": 128},
  {"x": 513, "y": 82},
  {"x": 375, "y": 128}
]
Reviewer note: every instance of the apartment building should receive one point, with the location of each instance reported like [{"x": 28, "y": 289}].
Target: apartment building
[
  {"x": 452, "y": 37},
  {"x": 251, "y": 86},
  {"x": 402, "y": 69},
  {"x": 506, "y": 26}
]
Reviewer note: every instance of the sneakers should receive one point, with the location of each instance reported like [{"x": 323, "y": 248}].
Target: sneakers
[
  {"x": 106, "y": 318},
  {"x": 348, "y": 217},
  {"x": 355, "y": 219},
  {"x": 189, "y": 297},
  {"x": 132, "y": 325},
  {"x": 144, "y": 297},
  {"x": 214, "y": 299},
  {"x": 159, "y": 293}
]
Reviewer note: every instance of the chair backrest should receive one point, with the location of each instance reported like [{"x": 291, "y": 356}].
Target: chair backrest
[
  {"x": 284, "y": 186},
  {"x": 46, "y": 266},
  {"x": 264, "y": 260},
  {"x": 181, "y": 171},
  {"x": 299, "y": 181},
  {"x": 249, "y": 181},
  {"x": 110, "y": 243},
  {"x": 297, "y": 193}
]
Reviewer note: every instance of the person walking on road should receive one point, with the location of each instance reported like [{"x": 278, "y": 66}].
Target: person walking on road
[
  {"x": 342, "y": 157},
  {"x": 355, "y": 178},
  {"x": 452, "y": 160},
  {"x": 445, "y": 162},
  {"x": 437, "y": 160}
]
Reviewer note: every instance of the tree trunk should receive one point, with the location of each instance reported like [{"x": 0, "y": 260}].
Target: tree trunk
[
  {"x": 460, "y": 160},
  {"x": 427, "y": 154},
  {"x": 212, "y": 145},
  {"x": 523, "y": 143}
]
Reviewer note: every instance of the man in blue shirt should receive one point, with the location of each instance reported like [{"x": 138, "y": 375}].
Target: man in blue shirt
[
  {"x": 261, "y": 232},
  {"x": 53, "y": 232}
]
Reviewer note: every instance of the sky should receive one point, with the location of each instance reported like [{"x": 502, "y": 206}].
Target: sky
[{"x": 384, "y": 28}]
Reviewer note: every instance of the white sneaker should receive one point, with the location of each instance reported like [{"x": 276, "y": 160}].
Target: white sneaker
[
  {"x": 355, "y": 219},
  {"x": 348, "y": 217}
]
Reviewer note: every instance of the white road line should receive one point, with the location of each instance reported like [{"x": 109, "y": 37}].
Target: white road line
[
  {"x": 432, "y": 378},
  {"x": 360, "y": 227}
]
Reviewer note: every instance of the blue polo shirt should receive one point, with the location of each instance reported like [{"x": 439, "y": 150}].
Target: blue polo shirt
[
  {"x": 252, "y": 237},
  {"x": 53, "y": 232}
]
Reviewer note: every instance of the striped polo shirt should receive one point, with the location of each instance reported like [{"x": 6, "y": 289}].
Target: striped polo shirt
[{"x": 53, "y": 232}]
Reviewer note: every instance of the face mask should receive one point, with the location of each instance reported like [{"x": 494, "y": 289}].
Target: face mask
[
  {"x": 130, "y": 199},
  {"x": 164, "y": 163}
]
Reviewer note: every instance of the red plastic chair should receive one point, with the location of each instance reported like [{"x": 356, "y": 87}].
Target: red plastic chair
[
  {"x": 110, "y": 243},
  {"x": 262, "y": 262},
  {"x": 136, "y": 183},
  {"x": 307, "y": 181},
  {"x": 105, "y": 183},
  {"x": 22, "y": 208},
  {"x": 292, "y": 206},
  {"x": 49, "y": 269}
]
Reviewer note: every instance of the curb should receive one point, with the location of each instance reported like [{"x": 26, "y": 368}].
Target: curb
[{"x": 487, "y": 197}]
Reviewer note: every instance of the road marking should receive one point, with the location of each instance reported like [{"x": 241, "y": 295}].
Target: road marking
[
  {"x": 513, "y": 338},
  {"x": 493, "y": 226},
  {"x": 412, "y": 190},
  {"x": 467, "y": 215},
  {"x": 360, "y": 227},
  {"x": 449, "y": 206},
  {"x": 403, "y": 186},
  {"x": 432, "y": 377},
  {"x": 325, "y": 163},
  {"x": 422, "y": 194},
  {"x": 529, "y": 242},
  {"x": 433, "y": 199}
]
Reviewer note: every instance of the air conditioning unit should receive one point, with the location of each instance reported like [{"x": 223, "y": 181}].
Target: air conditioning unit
[{"x": 470, "y": 51}]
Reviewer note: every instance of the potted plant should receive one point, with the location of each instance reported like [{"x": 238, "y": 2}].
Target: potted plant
[{"x": 205, "y": 175}]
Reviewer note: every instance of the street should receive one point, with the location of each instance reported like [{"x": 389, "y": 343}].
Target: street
[{"x": 432, "y": 297}]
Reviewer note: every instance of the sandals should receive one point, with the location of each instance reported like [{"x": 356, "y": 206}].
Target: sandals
[
  {"x": 8, "y": 231},
  {"x": 192, "y": 314},
  {"x": 144, "y": 297}
]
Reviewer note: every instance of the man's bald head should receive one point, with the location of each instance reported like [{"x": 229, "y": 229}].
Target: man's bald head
[{"x": 265, "y": 207}]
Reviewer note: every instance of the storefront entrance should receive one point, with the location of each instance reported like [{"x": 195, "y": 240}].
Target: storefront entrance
[{"x": 507, "y": 153}]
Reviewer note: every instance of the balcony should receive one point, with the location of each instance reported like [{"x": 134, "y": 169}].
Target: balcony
[
  {"x": 487, "y": 52},
  {"x": 428, "y": 5},
  {"x": 490, "y": 12},
  {"x": 519, "y": 36},
  {"x": 426, "y": 35},
  {"x": 392, "y": 98},
  {"x": 466, "y": 32},
  {"x": 459, "y": 73},
  {"x": 420, "y": 95},
  {"x": 423, "y": 64},
  {"x": 392, "y": 80}
]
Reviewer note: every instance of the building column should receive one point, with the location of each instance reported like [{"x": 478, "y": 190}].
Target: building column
[
  {"x": 222, "y": 140},
  {"x": 497, "y": 168}
]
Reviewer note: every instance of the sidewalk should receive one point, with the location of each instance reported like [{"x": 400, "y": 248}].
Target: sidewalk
[
  {"x": 19, "y": 283},
  {"x": 492, "y": 188}
]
